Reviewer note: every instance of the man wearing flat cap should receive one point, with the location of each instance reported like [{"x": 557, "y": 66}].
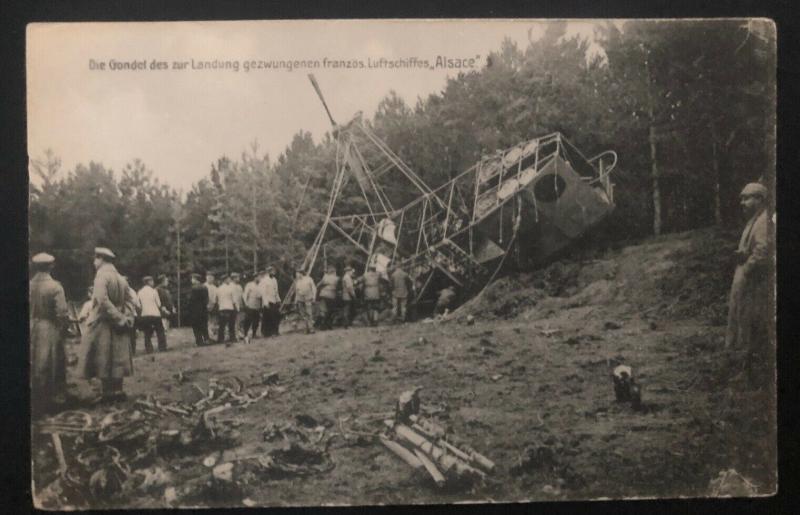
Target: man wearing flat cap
[
  {"x": 105, "y": 351},
  {"x": 151, "y": 316},
  {"x": 48, "y": 319},
  {"x": 748, "y": 311}
]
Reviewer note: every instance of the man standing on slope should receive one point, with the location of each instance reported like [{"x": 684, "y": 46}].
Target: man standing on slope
[{"x": 748, "y": 303}]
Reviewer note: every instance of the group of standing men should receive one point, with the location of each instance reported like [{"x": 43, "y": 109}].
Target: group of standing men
[
  {"x": 338, "y": 296},
  {"x": 237, "y": 310},
  {"x": 106, "y": 352}
]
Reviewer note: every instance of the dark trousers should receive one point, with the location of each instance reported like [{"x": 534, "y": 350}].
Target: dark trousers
[
  {"x": 372, "y": 306},
  {"x": 251, "y": 320},
  {"x": 200, "y": 327},
  {"x": 148, "y": 325},
  {"x": 347, "y": 313},
  {"x": 327, "y": 309},
  {"x": 227, "y": 317},
  {"x": 271, "y": 319}
]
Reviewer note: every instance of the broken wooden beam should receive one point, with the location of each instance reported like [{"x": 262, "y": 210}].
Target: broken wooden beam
[
  {"x": 401, "y": 452},
  {"x": 437, "y": 476},
  {"x": 445, "y": 460}
]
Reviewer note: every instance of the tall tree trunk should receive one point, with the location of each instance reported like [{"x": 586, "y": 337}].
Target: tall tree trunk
[
  {"x": 654, "y": 174},
  {"x": 715, "y": 167}
]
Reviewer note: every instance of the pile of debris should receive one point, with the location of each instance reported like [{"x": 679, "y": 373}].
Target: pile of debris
[
  {"x": 425, "y": 445},
  {"x": 114, "y": 454}
]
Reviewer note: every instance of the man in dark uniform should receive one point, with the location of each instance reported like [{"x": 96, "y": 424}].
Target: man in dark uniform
[
  {"x": 198, "y": 311},
  {"x": 167, "y": 307}
]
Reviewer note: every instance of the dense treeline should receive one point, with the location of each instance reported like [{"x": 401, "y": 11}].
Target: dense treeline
[{"x": 688, "y": 106}]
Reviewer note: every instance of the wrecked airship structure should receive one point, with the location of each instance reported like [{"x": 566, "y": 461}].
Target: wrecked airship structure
[{"x": 531, "y": 200}]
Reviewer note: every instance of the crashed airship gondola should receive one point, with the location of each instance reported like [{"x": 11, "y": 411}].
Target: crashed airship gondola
[{"x": 533, "y": 200}]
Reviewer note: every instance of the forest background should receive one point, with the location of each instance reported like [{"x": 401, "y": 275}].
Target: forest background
[{"x": 689, "y": 108}]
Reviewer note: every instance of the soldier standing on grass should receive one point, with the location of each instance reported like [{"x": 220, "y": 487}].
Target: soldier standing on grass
[
  {"x": 167, "y": 306},
  {"x": 748, "y": 303},
  {"x": 401, "y": 286},
  {"x": 445, "y": 300},
  {"x": 327, "y": 296},
  {"x": 270, "y": 304},
  {"x": 251, "y": 299},
  {"x": 212, "y": 300},
  {"x": 226, "y": 301},
  {"x": 86, "y": 308},
  {"x": 238, "y": 297},
  {"x": 348, "y": 296},
  {"x": 48, "y": 319},
  {"x": 371, "y": 282},
  {"x": 151, "y": 316},
  {"x": 105, "y": 351},
  {"x": 198, "y": 311},
  {"x": 305, "y": 292}
]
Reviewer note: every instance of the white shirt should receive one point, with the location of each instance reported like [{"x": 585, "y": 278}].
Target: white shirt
[
  {"x": 269, "y": 290},
  {"x": 151, "y": 304},
  {"x": 226, "y": 297},
  {"x": 252, "y": 295},
  {"x": 212, "y": 295}
]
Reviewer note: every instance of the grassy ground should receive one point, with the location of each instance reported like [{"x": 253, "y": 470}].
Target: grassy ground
[{"x": 533, "y": 375}]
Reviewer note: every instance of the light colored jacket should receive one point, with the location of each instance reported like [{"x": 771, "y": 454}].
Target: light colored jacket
[
  {"x": 238, "y": 295},
  {"x": 327, "y": 286},
  {"x": 212, "y": 295},
  {"x": 348, "y": 289},
  {"x": 252, "y": 295},
  {"x": 226, "y": 297},
  {"x": 305, "y": 290},
  {"x": 372, "y": 285},
  {"x": 400, "y": 284},
  {"x": 269, "y": 290},
  {"x": 150, "y": 301}
]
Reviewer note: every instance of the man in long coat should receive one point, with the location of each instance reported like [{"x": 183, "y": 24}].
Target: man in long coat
[
  {"x": 48, "y": 318},
  {"x": 748, "y": 303},
  {"x": 105, "y": 351}
]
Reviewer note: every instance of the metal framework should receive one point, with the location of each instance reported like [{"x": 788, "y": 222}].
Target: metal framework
[{"x": 458, "y": 229}]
